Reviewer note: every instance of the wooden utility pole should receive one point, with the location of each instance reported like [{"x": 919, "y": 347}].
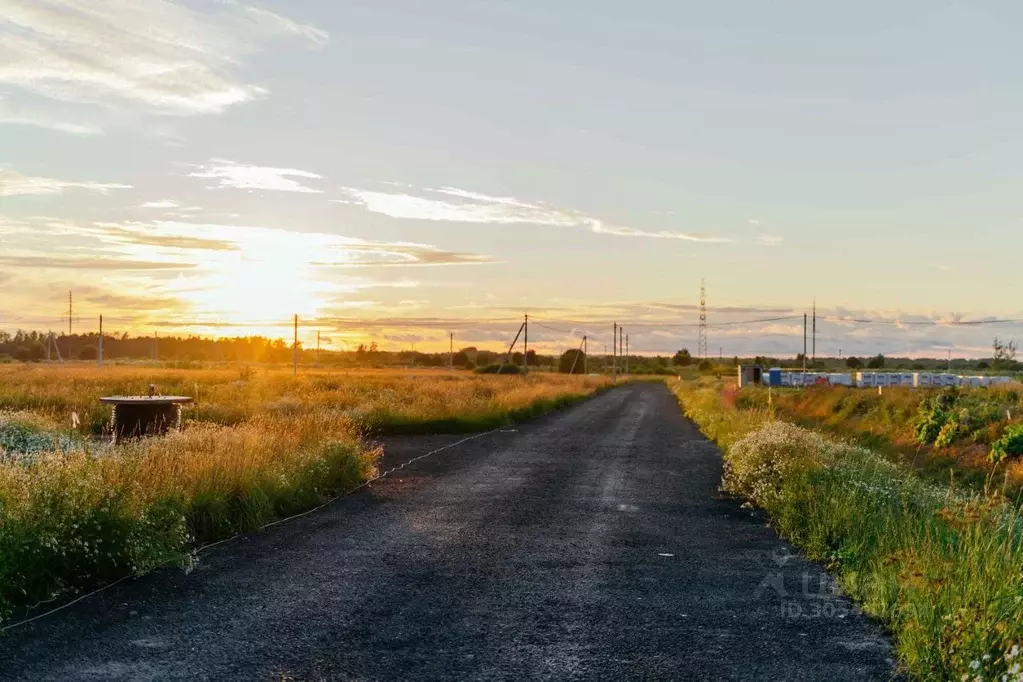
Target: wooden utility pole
[
  {"x": 621, "y": 347},
  {"x": 614, "y": 353},
  {"x": 525, "y": 346},
  {"x": 804, "y": 342},
  {"x": 507, "y": 358},
  {"x": 814, "y": 332},
  {"x": 586, "y": 351}
]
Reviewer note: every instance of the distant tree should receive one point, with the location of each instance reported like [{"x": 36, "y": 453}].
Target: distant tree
[
  {"x": 88, "y": 353},
  {"x": 682, "y": 358},
  {"x": 876, "y": 362},
  {"x": 1005, "y": 354},
  {"x": 571, "y": 361},
  {"x": 982, "y": 365},
  {"x": 917, "y": 366},
  {"x": 853, "y": 362},
  {"x": 705, "y": 366}
]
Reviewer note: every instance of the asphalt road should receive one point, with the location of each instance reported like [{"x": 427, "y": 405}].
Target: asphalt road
[{"x": 590, "y": 544}]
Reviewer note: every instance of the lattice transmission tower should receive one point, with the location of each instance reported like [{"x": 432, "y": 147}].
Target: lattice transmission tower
[{"x": 702, "y": 346}]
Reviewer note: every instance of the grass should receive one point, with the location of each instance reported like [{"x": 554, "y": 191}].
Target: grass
[
  {"x": 76, "y": 512},
  {"x": 973, "y": 421},
  {"x": 941, "y": 566},
  {"x": 381, "y": 400}
]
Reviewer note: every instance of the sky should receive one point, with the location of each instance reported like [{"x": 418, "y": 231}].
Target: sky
[{"x": 399, "y": 170}]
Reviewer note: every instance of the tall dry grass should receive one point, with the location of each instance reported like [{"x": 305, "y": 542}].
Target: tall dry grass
[
  {"x": 380, "y": 400},
  {"x": 75, "y": 512}
]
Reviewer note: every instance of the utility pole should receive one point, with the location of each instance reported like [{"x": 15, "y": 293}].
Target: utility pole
[
  {"x": 49, "y": 342},
  {"x": 815, "y": 332},
  {"x": 508, "y": 357},
  {"x": 525, "y": 345},
  {"x": 701, "y": 349},
  {"x": 614, "y": 353},
  {"x": 99, "y": 351},
  {"x": 804, "y": 342},
  {"x": 294, "y": 371},
  {"x": 451, "y": 351},
  {"x": 621, "y": 336},
  {"x": 156, "y": 346},
  {"x": 626, "y": 355},
  {"x": 585, "y": 352},
  {"x": 70, "y": 311}
]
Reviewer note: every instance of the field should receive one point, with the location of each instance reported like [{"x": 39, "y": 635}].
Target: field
[
  {"x": 258, "y": 445},
  {"x": 941, "y": 565}
]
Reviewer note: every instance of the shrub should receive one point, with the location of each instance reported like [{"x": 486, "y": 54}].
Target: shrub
[{"x": 1009, "y": 445}]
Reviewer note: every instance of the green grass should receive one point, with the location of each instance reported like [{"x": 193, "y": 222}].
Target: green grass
[{"x": 941, "y": 567}]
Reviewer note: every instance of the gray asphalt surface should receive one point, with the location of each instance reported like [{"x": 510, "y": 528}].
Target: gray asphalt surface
[{"x": 590, "y": 544}]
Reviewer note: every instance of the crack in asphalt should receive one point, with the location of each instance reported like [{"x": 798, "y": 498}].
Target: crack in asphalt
[{"x": 589, "y": 544}]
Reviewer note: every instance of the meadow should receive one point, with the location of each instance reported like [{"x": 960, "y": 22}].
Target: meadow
[
  {"x": 258, "y": 445},
  {"x": 940, "y": 565}
]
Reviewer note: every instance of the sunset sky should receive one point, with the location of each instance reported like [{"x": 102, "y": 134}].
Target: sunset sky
[{"x": 396, "y": 170}]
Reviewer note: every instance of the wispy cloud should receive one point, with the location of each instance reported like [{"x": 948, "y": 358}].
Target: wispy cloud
[
  {"x": 15, "y": 184},
  {"x": 244, "y": 176},
  {"x": 770, "y": 239},
  {"x": 78, "y": 263},
  {"x": 474, "y": 207},
  {"x": 166, "y": 56},
  {"x": 161, "y": 203},
  {"x": 50, "y": 124}
]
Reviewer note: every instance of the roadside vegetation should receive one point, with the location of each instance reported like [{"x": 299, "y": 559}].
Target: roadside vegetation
[
  {"x": 935, "y": 431},
  {"x": 76, "y": 512},
  {"x": 940, "y": 565}
]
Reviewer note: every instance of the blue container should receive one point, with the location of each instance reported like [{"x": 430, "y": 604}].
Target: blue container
[{"x": 774, "y": 376}]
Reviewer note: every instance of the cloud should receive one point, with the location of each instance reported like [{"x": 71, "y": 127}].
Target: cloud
[
  {"x": 753, "y": 221},
  {"x": 474, "y": 207},
  {"x": 243, "y": 176},
  {"x": 44, "y": 122},
  {"x": 151, "y": 236},
  {"x": 162, "y": 203},
  {"x": 164, "y": 56},
  {"x": 16, "y": 184},
  {"x": 71, "y": 263},
  {"x": 770, "y": 239}
]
